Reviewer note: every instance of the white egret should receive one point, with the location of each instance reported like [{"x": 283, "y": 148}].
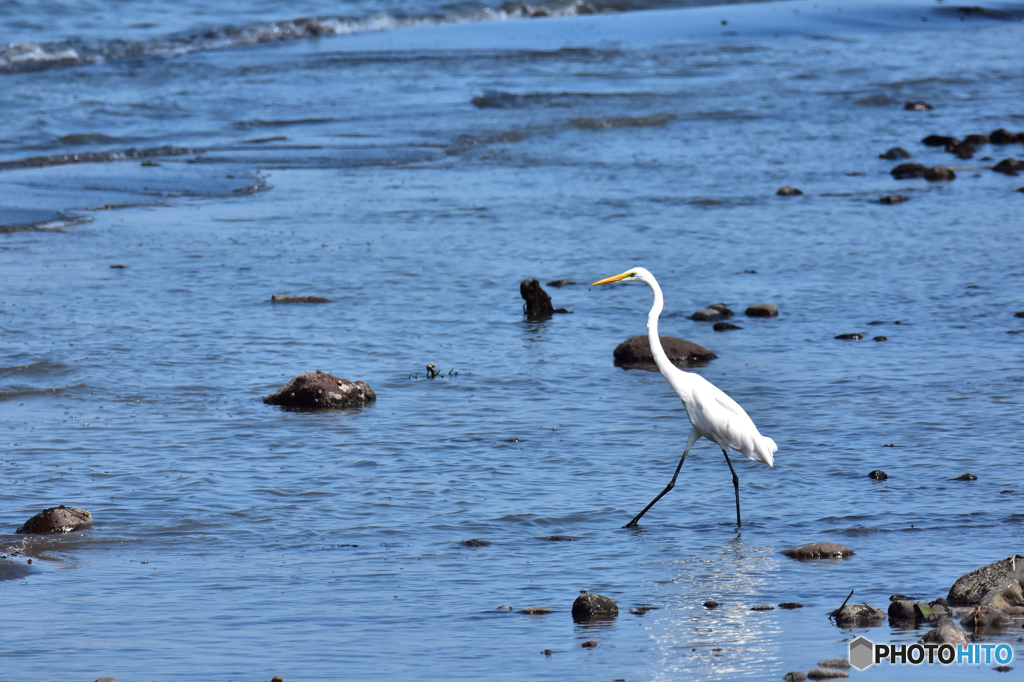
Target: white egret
[{"x": 712, "y": 413}]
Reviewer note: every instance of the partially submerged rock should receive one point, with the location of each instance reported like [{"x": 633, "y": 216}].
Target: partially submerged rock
[
  {"x": 917, "y": 106},
  {"x": 965, "y": 477},
  {"x": 837, "y": 663},
  {"x": 940, "y": 141},
  {"x": 819, "y": 550},
  {"x": 536, "y": 611},
  {"x": 895, "y": 153},
  {"x": 908, "y": 170},
  {"x": 319, "y": 390},
  {"x": 973, "y": 588},
  {"x": 858, "y": 616},
  {"x": 986, "y": 618},
  {"x": 878, "y": 475},
  {"x": 946, "y": 632},
  {"x": 592, "y": 606},
  {"x": 794, "y": 676},
  {"x": 938, "y": 174},
  {"x": 725, "y": 326},
  {"x": 827, "y": 674},
  {"x": 537, "y": 303},
  {"x": 1002, "y": 136},
  {"x": 287, "y": 298},
  {"x": 636, "y": 350},
  {"x": 787, "y": 191},
  {"x": 891, "y": 199},
  {"x": 762, "y": 310},
  {"x": 1009, "y": 166},
  {"x": 849, "y": 337},
  {"x": 902, "y": 610},
  {"x": 57, "y": 520},
  {"x": 714, "y": 312}
]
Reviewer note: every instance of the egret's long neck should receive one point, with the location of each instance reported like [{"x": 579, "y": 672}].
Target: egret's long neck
[{"x": 676, "y": 377}]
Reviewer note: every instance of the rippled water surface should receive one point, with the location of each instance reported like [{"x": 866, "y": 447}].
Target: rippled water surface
[{"x": 415, "y": 176}]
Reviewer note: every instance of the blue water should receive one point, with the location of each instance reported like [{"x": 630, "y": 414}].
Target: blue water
[{"x": 236, "y": 541}]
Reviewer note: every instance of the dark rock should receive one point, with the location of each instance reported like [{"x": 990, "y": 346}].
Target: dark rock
[
  {"x": 932, "y": 614},
  {"x": 285, "y": 298},
  {"x": 947, "y": 632},
  {"x": 475, "y": 543},
  {"x": 507, "y": 609},
  {"x": 849, "y": 337},
  {"x": 112, "y": 679},
  {"x": 636, "y": 350},
  {"x": 57, "y": 520},
  {"x": 794, "y": 676},
  {"x": 858, "y": 616},
  {"x": 641, "y": 610},
  {"x": 711, "y": 604},
  {"x": 837, "y": 663},
  {"x": 766, "y": 607},
  {"x": 819, "y": 550},
  {"x": 118, "y": 267},
  {"x": 716, "y": 311},
  {"x": 900, "y": 597},
  {"x": 963, "y": 150},
  {"x": 791, "y": 605},
  {"x": 1005, "y": 598},
  {"x": 891, "y": 199},
  {"x": 725, "y": 326},
  {"x": 319, "y": 390},
  {"x": 940, "y": 141},
  {"x": 1009, "y": 166},
  {"x": 1002, "y": 136},
  {"x": 556, "y": 538},
  {"x": 589, "y": 644},
  {"x": 878, "y": 475},
  {"x": 1019, "y": 313},
  {"x": 917, "y": 106},
  {"x": 938, "y": 174},
  {"x": 902, "y": 610},
  {"x": 537, "y": 305},
  {"x": 895, "y": 153},
  {"x": 908, "y": 170},
  {"x": 561, "y": 283},
  {"x": 536, "y": 611},
  {"x": 787, "y": 191},
  {"x": 976, "y": 139},
  {"x": 972, "y": 588},
  {"x": 880, "y": 338},
  {"x": 965, "y": 477},
  {"x": 1003, "y": 668},
  {"x": 938, "y": 602},
  {"x": 592, "y": 606},
  {"x": 986, "y": 618},
  {"x": 762, "y": 310},
  {"x": 827, "y": 674}
]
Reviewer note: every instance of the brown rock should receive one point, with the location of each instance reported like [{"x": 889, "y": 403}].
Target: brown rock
[
  {"x": 636, "y": 350},
  {"x": 858, "y": 616},
  {"x": 1002, "y": 136},
  {"x": 895, "y": 153},
  {"x": 794, "y": 676},
  {"x": 986, "y": 618},
  {"x": 891, "y": 199},
  {"x": 940, "y": 141},
  {"x": 537, "y": 303},
  {"x": 57, "y": 520},
  {"x": 1009, "y": 166},
  {"x": 716, "y": 311},
  {"x": 590, "y": 606},
  {"x": 850, "y": 337},
  {"x": 819, "y": 550},
  {"x": 938, "y": 174},
  {"x": 589, "y": 644},
  {"x": 536, "y": 611},
  {"x": 976, "y": 139},
  {"x": 762, "y": 310},
  {"x": 319, "y": 390},
  {"x": 725, "y": 326},
  {"x": 787, "y": 191},
  {"x": 946, "y": 632},
  {"x": 918, "y": 106},
  {"x": 286, "y": 298},
  {"x": 908, "y": 170}
]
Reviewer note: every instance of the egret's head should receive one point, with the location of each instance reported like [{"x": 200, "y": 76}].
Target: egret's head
[{"x": 634, "y": 275}]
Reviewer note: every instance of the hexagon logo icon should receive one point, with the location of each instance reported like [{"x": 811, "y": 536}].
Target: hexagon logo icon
[{"x": 862, "y": 652}]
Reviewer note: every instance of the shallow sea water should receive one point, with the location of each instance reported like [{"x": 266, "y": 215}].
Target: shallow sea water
[{"x": 235, "y": 541}]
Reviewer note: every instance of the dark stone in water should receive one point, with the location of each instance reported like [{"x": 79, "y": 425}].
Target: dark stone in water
[
  {"x": 794, "y": 676},
  {"x": 1009, "y": 166},
  {"x": 556, "y": 538},
  {"x": 940, "y": 141},
  {"x": 118, "y": 267},
  {"x": 725, "y": 326},
  {"x": 963, "y": 150},
  {"x": 965, "y": 477},
  {"x": 938, "y": 173},
  {"x": 858, "y": 616},
  {"x": 537, "y": 305},
  {"x": 976, "y": 139},
  {"x": 880, "y": 338},
  {"x": 286, "y": 298},
  {"x": 506, "y": 609},
  {"x": 636, "y": 350},
  {"x": 762, "y": 310},
  {"x": 986, "y": 618},
  {"x": 878, "y": 475},
  {"x": 895, "y": 153},
  {"x": 57, "y": 520},
  {"x": 1019, "y": 313},
  {"x": 787, "y": 191},
  {"x": 902, "y": 610},
  {"x": 837, "y": 663},
  {"x": 791, "y": 605},
  {"x": 893, "y": 199},
  {"x": 918, "y": 106},
  {"x": 766, "y": 607},
  {"x": 561, "y": 283},
  {"x": 711, "y": 604},
  {"x": 319, "y": 390},
  {"x": 850, "y": 337},
  {"x": 947, "y": 632},
  {"x": 589, "y": 644},
  {"x": 1002, "y": 136},
  {"x": 827, "y": 674},
  {"x": 977, "y": 586},
  {"x": 908, "y": 170},
  {"x": 714, "y": 312},
  {"x": 819, "y": 550},
  {"x": 475, "y": 543},
  {"x": 590, "y": 606},
  {"x": 536, "y": 611}
]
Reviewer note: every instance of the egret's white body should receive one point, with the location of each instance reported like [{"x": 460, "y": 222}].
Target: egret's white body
[{"x": 712, "y": 413}]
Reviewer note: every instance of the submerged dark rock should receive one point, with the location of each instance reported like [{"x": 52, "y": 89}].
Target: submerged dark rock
[
  {"x": 849, "y": 337},
  {"x": 819, "y": 550},
  {"x": 946, "y": 632},
  {"x": 938, "y": 173},
  {"x": 940, "y": 141},
  {"x": 561, "y": 283},
  {"x": 711, "y": 604},
  {"x": 880, "y": 338},
  {"x": 787, "y": 191},
  {"x": 890, "y": 199},
  {"x": 972, "y": 589},
  {"x": 762, "y": 310},
  {"x": 57, "y": 520},
  {"x": 918, "y": 106},
  {"x": 902, "y": 610},
  {"x": 895, "y": 153},
  {"x": 636, "y": 350},
  {"x": 791, "y": 605},
  {"x": 976, "y": 139},
  {"x": 837, "y": 663},
  {"x": 908, "y": 170},
  {"x": 537, "y": 303},
  {"x": 794, "y": 676},
  {"x": 287, "y": 298},
  {"x": 590, "y": 606},
  {"x": 963, "y": 150},
  {"x": 714, "y": 312},
  {"x": 1002, "y": 136},
  {"x": 725, "y": 326},
  {"x": 1009, "y": 166},
  {"x": 319, "y": 390},
  {"x": 986, "y": 618},
  {"x": 965, "y": 477},
  {"x": 878, "y": 475},
  {"x": 858, "y": 616},
  {"x": 475, "y": 543}
]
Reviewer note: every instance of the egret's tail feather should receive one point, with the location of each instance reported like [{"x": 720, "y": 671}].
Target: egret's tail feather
[{"x": 764, "y": 451}]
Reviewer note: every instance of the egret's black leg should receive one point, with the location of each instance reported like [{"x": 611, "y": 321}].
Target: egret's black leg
[
  {"x": 671, "y": 484},
  {"x": 736, "y": 485}
]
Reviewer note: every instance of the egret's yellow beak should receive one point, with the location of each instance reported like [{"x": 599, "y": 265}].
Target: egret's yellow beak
[{"x": 616, "y": 278}]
